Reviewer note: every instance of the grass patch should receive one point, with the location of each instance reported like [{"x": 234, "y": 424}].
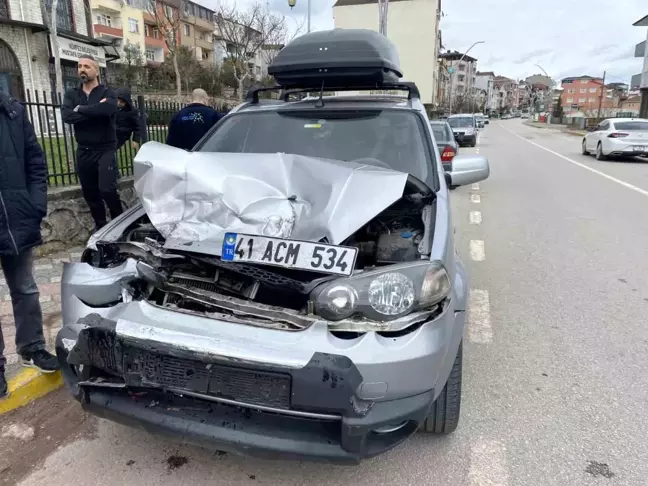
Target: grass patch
[{"x": 60, "y": 157}]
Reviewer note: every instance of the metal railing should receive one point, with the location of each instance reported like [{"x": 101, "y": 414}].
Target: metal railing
[{"x": 57, "y": 138}]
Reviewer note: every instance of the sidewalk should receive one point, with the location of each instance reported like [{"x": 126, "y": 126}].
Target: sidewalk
[
  {"x": 562, "y": 128},
  {"x": 47, "y": 272}
]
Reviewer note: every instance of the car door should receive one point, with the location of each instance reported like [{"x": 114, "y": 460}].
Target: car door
[{"x": 595, "y": 136}]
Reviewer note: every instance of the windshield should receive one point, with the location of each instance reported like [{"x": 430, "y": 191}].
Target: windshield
[
  {"x": 632, "y": 125},
  {"x": 386, "y": 138},
  {"x": 441, "y": 133},
  {"x": 461, "y": 122}
]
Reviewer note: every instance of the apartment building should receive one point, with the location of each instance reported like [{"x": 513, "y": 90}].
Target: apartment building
[
  {"x": 485, "y": 83},
  {"x": 413, "y": 26},
  {"x": 586, "y": 93},
  {"x": 463, "y": 74},
  {"x": 26, "y": 59},
  {"x": 641, "y": 79},
  {"x": 506, "y": 93},
  {"x": 135, "y": 23}
]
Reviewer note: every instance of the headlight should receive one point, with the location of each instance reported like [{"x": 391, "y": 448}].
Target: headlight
[{"x": 385, "y": 294}]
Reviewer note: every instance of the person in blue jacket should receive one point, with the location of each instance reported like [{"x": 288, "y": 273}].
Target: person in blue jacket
[
  {"x": 23, "y": 205},
  {"x": 192, "y": 122}
]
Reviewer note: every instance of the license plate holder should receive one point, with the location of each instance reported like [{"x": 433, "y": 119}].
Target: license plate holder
[{"x": 279, "y": 252}]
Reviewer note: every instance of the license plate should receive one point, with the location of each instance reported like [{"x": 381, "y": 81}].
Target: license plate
[
  {"x": 304, "y": 255},
  {"x": 640, "y": 148}
]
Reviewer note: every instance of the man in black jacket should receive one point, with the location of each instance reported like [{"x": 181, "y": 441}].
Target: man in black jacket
[
  {"x": 92, "y": 109},
  {"x": 23, "y": 204},
  {"x": 192, "y": 122},
  {"x": 128, "y": 121}
]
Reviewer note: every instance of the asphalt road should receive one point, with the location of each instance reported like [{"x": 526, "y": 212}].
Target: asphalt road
[{"x": 556, "y": 359}]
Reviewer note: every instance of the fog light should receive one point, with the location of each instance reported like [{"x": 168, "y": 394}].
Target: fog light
[
  {"x": 388, "y": 429},
  {"x": 341, "y": 300}
]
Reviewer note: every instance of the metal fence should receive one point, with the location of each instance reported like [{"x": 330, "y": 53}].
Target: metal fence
[{"x": 57, "y": 138}]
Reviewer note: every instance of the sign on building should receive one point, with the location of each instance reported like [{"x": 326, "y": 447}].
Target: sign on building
[{"x": 74, "y": 50}]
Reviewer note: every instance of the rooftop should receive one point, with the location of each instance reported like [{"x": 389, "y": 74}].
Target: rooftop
[
  {"x": 643, "y": 22},
  {"x": 348, "y": 3},
  {"x": 455, "y": 56}
]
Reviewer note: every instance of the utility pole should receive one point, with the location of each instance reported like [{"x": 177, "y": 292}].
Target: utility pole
[
  {"x": 383, "y": 6},
  {"x": 602, "y": 94}
]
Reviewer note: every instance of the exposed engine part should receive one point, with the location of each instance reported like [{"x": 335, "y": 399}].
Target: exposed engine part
[{"x": 255, "y": 294}]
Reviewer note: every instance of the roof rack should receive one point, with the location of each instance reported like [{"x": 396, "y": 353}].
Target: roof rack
[{"x": 411, "y": 88}]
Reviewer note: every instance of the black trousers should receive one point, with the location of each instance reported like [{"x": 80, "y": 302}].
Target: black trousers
[
  {"x": 98, "y": 174},
  {"x": 27, "y": 312}
]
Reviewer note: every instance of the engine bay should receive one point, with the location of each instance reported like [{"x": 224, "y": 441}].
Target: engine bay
[{"x": 199, "y": 283}]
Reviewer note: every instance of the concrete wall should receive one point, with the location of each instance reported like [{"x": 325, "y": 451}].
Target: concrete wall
[
  {"x": 68, "y": 222},
  {"x": 412, "y": 27}
]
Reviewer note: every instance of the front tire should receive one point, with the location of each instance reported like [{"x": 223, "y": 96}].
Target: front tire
[
  {"x": 444, "y": 415},
  {"x": 599, "y": 152},
  {"x": 584, "y": 150},
  {"x": 474, "y": 142}
]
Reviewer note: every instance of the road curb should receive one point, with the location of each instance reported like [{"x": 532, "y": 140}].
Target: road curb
[{"x": 29, "y": 385}]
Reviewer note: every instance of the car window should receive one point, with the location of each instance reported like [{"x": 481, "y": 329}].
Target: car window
[
  {"x": 441, "y": 133},
  {"x": 632, "y": 125},
  {"x": 604, "y": 125},
  {"x": 461, "y": 122},
  {"x": 391, "y": 138}
]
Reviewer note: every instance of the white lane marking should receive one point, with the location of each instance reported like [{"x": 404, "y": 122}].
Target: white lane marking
[
  {"x": 475, "y": 198},
  {"x": 475, "y": 217},
  {"x": 475, "y": 186},
  {"x": 488, "y": 464},
  {"x": 477, "y": 251},
  {"x": 584, "y": 166}
]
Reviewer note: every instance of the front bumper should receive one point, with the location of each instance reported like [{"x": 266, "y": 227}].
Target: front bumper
[{"x": 306, "y": 394}]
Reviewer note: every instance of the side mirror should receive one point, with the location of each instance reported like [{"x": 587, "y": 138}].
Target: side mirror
[{"x": 468, "y": 169}]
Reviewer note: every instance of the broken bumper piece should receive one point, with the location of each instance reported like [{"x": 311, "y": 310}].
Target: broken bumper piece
[{"x": 308, "y": 412}]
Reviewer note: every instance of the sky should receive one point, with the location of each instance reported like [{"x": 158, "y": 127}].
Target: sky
[{"x": 566, "y": 37}]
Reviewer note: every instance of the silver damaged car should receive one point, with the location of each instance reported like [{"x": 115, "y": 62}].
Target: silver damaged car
[{"x": 291, "y": 287}]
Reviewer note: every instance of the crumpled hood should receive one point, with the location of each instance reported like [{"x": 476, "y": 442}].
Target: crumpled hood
[{"x": 194, "y": 198}]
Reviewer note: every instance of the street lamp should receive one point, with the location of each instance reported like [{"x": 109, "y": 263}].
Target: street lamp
[
  {"x": 452, "y": 77},
  {"x": 292, "y": 3}
]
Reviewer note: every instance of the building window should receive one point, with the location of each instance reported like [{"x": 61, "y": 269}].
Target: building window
[
  {"x": 461, "y": 78},
  {"x": 133, "y": 25},
  {"x": 584, "y": 81},
  {"x": 570, "y": 100},
  {"x": 168, "y": 11},
  {"x": 462, "y": 67},
  {"x": 205, "y": 55},
  {"x": 582, "y": 100},
  {"x": 583, "y": 90},
  {"x": 4, "y": 10},
  {"x": 187, "y": 30},
  {"x": 156, "y": 33},
  {"x": 571, "y": 91},
  {"x": 147, "y": 30},
  {"x": 150, "y": 55},
  {"x": 592, "y": 100},
  {"x": 63, "y": 14},
  {"x": 592, "y": 90},
  {"x": 103, "y": 19}
]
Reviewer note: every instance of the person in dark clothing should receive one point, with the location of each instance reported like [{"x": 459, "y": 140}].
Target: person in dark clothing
[
  {"x": 192, "y": 122},
  {"x": 92, "y": 109},
  {"x": 128, "y": 120},
  {"x": 23, "y": 204}
]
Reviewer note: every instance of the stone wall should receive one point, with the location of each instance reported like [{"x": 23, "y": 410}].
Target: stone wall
[{"x": 68, "y": 222}]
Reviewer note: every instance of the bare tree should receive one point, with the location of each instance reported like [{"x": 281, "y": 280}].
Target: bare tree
[
  {"x": 245, "y": 32},
  {"x": 168, "y": 20},
  {"x": 49, "y": 20},
  {"x": 277, "y": 40}
]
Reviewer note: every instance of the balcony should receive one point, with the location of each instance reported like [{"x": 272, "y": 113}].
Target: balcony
[
  {"x": 108, "y": 31},
  {"x": 205, "y": 45},
  {"x": 153, "y": 43},
  {"x": 111, "y": 6}
]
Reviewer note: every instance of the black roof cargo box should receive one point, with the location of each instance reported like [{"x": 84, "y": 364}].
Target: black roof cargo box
[{"x": 338, "y": 57}]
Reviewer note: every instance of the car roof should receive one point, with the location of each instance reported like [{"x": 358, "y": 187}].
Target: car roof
[
  {"x": 457, "y": 115},
  {"x": 438, "y": 122},
  {"x": 626, "y": 119}
]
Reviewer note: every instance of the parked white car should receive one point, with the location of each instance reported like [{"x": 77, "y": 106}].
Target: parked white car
[{"x": 617, "y": 137}]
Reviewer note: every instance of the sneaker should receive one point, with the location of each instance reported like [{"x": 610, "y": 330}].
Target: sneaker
[
  {"x": 41, "y": 360},
  {"x": 4, "y": 388}
]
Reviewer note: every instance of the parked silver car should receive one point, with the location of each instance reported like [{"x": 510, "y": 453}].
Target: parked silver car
[{"x": 291, "y": 287}]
